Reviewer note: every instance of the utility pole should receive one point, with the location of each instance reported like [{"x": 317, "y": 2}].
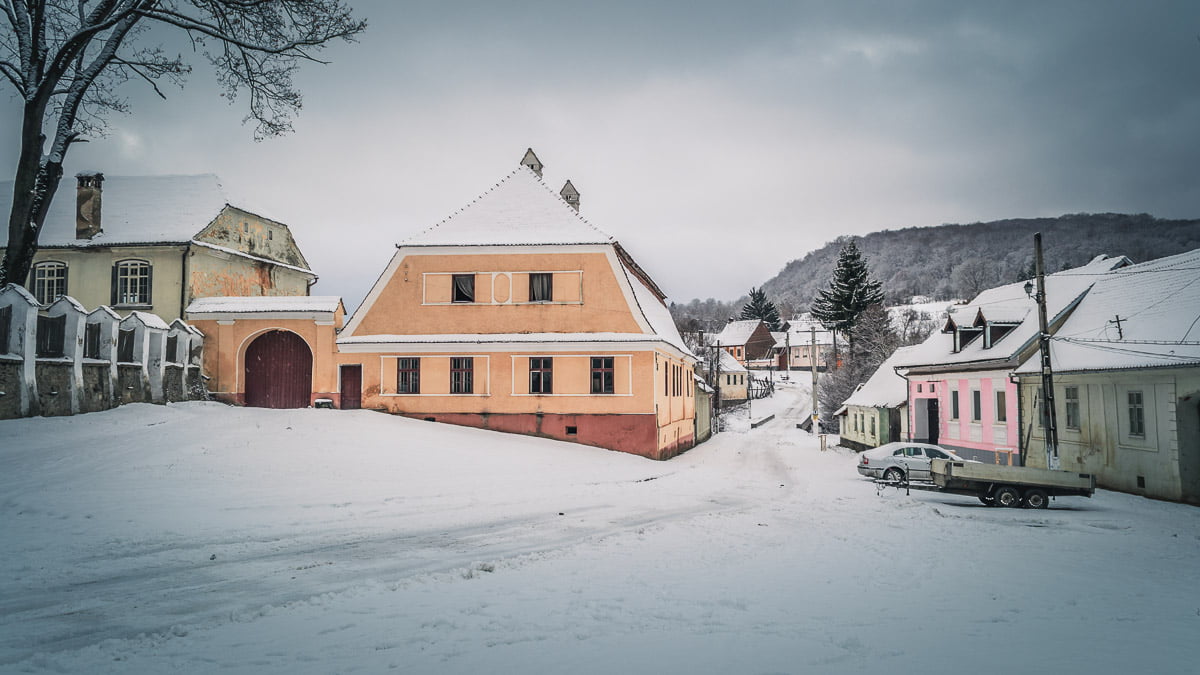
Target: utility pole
[
  {"x": 812, "y": 364},
  {"x": 1049, "y": 420}
]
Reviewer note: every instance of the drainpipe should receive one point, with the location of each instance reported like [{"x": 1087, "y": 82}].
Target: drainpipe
[{"x": 910, "y": 403}]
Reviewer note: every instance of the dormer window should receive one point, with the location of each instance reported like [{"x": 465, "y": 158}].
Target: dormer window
[
  {"x": 993, "y": 332},
  {"x": 963, "y": 336}
]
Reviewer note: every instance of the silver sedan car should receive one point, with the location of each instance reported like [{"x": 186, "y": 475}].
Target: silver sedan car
[{"x": 902, "y": 461}]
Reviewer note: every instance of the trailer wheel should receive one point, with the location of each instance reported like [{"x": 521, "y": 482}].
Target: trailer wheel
[
  {"x": 987, "y": 500},
  {"x": 893, "y": 475},
  {"x": 1008, "y": 496},
  {"x": 1036, "y": 498}
]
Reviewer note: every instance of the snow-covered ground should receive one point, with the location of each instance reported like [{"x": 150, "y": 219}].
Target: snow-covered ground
[{"x": 198, "y": 538}]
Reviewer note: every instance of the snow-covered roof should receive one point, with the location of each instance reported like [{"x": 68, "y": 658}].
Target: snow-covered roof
[
  {"x": 135, "y": 210},
  {"x": 147, "y": 319},
  {"x": 728, "y": 363},
  {"x": 736, "y": 332},
  {"x": 70, "y": 302},
  {"x": 289, "y": 303},
  {"x": 801, "y": 334},
  {"x": 21, "y": 292},
  {"x": 1158, "y": 304},
  {"x": 657, "y": 315},
  {"x": 1009, "y": 302},
  {"x": 884, "y": 389},
  {"x": 518, "y": 211}
]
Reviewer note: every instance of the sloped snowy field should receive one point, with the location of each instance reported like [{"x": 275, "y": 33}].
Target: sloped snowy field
[{"x": 198, "y": 538}]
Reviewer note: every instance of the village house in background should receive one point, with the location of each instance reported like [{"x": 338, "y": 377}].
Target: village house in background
[
  {"x": 877, "y": 412},
  {"x": 732, "y": 379},
  {"x": 155, "y": 243},
  {"x": 746, "y": 340},
  {"x": 960, "y": 391},
  {"x": 1126, "y": 382},
  {"x": 799, "y": 342}
]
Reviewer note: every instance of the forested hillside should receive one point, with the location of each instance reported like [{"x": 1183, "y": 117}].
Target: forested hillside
[
  {"x": 958, "y": 261},
  {"x": 961, "y": 260}
]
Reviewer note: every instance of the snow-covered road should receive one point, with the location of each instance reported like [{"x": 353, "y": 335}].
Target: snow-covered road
[{"x": 198, "y": 538}]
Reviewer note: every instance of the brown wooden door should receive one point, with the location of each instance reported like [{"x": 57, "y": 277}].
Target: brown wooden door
[
  {"x": 351, "y": 387},
  {"x": 278, "y": 371}
]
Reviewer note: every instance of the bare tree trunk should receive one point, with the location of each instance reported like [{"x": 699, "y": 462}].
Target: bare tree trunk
[{"x": 34, "y": 186}]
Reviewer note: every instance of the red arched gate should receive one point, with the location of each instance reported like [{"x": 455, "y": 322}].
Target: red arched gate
[{"x": 278, "y": 371}]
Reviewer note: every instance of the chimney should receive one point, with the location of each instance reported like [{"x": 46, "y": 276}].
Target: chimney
[
  {"x": 570, "y": 195},
  {"x": 530, "y": 160},
  {"x": 87, "y": 201}
]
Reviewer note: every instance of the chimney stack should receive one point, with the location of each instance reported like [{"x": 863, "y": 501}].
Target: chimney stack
[
  {"x": 87, "y": 201},
  {"x": 530, "y": 160},
  {"x": 570, "y": 195}
]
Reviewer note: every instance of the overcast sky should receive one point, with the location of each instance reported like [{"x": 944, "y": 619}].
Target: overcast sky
[{"x": 716, "y": 141}]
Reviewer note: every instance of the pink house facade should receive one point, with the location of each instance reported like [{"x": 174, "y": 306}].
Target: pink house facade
[
  {"x": 961, "y": 392},
  {"x": 973, "y": 413}
]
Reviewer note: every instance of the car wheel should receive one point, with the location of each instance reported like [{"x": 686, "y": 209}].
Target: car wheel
[
  {"x": 1008, "y": 496},
  {"x": 1036, "y": 498},
  {"x": 893, "y": 475},
  {"x": 987, "y": 500}
]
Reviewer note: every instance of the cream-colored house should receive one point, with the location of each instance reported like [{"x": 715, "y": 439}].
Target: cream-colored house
[
  {"x": 1126, "y": 382},
  {"x": 876, "y": 413},
  {"x": 155, "y": 243}
]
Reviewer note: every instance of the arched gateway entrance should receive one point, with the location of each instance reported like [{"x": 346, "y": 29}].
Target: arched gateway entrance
[{"x": 278, "y": 371}]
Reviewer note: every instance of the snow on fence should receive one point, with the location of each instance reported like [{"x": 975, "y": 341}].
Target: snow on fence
[{"x": 60, "y": 359}]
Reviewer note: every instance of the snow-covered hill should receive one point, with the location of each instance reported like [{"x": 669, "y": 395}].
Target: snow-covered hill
[{"x": 198, "y": 538}]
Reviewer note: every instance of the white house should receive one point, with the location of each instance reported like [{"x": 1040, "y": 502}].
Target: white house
[
  {"x": 876, "y": 413},
  {"x": 1127, "y": 382}
]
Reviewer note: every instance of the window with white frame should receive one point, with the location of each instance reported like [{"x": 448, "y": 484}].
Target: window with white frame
[
  {"x": 49, "y": 281},
  {"x": 976, "y": 405},
  {"x": 1137, "y": 413},
  {"x": 131, "y": 282},
  {"x": 1071, "y": 399},
  {"x": 953, "y": 404}
]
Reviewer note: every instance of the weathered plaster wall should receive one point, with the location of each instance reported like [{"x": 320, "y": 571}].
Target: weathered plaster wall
[{"x": 253, "y": 234}]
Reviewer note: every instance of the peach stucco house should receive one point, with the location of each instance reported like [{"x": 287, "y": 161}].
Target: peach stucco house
[{"x": 516, "y": 314}]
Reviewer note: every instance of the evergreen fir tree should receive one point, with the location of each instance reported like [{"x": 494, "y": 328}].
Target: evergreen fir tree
[
  {"x": 761, "y": 308},
  {"x": 851, "y": 291}
]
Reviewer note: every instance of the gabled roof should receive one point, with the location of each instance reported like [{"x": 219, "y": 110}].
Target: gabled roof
[
  {"x": 135, "y": 210},
  {"x": 518, "y": 211},
  {"x": 728, "y": 363},
  {"x": 884, "y": 389},
  {"x": 1063, "y": 291},
  {"x": 737, "y": 332},
  {"x": 1158, "y": 304}
]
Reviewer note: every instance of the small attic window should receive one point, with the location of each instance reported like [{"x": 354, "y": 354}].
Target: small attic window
[{"x": 270, "y": 234}]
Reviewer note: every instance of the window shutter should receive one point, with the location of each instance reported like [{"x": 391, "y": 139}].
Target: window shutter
[
  {"x": 150, "y": 284},
  {"x": 113, "y": 296}
]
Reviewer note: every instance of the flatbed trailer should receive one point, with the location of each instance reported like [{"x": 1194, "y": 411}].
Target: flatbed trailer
[{"x": 1011, "y": 486}]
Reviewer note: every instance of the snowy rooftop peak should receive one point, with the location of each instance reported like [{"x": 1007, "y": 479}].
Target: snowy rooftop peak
[
  {"x": 519, "y": 210},
  {"x": 737, "y": 332}
]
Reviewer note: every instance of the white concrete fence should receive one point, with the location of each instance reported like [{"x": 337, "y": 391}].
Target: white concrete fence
[{"x": 60, "y": 359}]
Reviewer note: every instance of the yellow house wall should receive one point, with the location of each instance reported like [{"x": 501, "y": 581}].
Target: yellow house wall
[
  {"x": 416, "y": 300},
  {"x": 89, "y": 275}
]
